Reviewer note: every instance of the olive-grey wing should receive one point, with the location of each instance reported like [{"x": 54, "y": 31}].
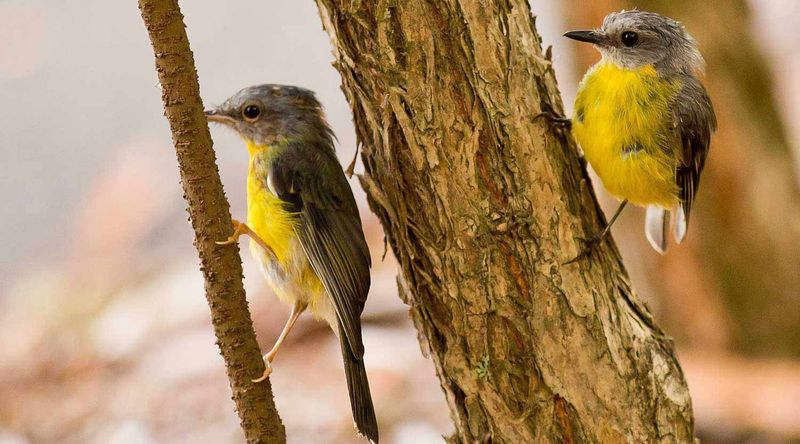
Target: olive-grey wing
[{"x": 694, "y": 121}]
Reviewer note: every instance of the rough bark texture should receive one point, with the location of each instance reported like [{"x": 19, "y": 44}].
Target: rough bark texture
[
  {"x": 209, "y": 213},
  {"x": 482, "y": 203}
]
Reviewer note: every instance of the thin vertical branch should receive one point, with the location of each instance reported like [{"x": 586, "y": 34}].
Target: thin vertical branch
[{"x": 209, "y": 213}]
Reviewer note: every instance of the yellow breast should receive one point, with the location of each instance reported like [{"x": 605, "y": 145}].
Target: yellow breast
[
  {"x": 268, "y": 215},
  {"x": 622, "y": 122},
  {"x": 291, "y": 278}
]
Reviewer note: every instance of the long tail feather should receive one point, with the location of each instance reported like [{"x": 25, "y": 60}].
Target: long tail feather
[
  {"x": 358, "y": 386},
  {"x": 656, "y": 227}
]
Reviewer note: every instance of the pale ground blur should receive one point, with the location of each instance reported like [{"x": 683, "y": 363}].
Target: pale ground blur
[{"x": 104, "y": 330}]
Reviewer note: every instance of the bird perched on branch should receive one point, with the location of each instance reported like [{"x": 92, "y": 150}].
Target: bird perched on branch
[
  {"x": 644, "y": 120},
  {"x": 303, "y": 223}
]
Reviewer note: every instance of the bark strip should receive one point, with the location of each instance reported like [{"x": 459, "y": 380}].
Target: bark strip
[
  {"x": 209, "y": 213},
  {"x": 482, "y": 204}
]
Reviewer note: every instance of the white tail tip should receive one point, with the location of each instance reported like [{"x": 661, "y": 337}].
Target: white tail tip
[
  {"x": 680, "y": 225},
  {"x": 656, "y": 224}
]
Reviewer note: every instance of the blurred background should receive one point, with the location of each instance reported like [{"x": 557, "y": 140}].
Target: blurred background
[{"x": 105, "y": 334}]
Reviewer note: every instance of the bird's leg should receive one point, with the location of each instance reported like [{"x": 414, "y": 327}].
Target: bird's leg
[
  {"x": 554, "y": 119},
  {"x": 240, "y": 228},
  {"x": 592, "y": 241},
  {"x": 297, "y": 309}
]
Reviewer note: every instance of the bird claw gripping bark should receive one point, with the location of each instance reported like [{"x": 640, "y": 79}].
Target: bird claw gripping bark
[
  {"x": 240, "y": 228},
  {"x": 553, "y": 118},
  {"x": 267, "y": 371},
  {"x": 589, "y": 244}
]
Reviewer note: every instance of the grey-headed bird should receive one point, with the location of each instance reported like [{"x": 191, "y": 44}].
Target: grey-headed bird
[
  {"x": 644, "y": 120},
  {"x": 303, "y": 223}
]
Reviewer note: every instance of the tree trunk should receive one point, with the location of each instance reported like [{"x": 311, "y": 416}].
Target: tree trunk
[
  {"x": 482, "y": 204},
  {"x": 210, "y": 216}
]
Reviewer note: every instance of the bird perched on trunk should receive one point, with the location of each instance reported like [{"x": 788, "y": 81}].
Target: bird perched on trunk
[
  {"x": 303, "y": 222},
  {"x": 644, "y": 120}
]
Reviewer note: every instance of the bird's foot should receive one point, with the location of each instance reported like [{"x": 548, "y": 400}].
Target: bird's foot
[
  {"x": 267, "y": 369},
  {"x": 592, "y": 242},
  {"x": 553, "y": 118},
  {"x": 589, "y": 244},
  {"x": 238, "y": 230}
]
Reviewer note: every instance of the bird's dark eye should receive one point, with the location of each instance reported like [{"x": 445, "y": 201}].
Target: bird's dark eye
[
  {"x": 629, "y": 38},
  {"x": 251, "y": 112}
]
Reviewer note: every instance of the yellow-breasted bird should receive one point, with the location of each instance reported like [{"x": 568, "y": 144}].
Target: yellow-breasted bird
[
  {"x": 303, "y": 222},
  {"x": 643, "y": 119}
]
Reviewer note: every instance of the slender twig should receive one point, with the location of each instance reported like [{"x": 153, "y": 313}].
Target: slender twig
[{"x": 209, "y": 213}]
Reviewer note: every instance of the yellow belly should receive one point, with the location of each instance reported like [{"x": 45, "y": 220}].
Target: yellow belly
[
  {"x": 270, "y": 217},
  {"x": 622, "y": 122},
  {"x": 289, "y": 273}
]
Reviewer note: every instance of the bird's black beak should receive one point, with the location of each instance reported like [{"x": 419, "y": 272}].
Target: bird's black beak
[
  {"x": 588, "y": 36},
  {"x": 213, "y": 116}
]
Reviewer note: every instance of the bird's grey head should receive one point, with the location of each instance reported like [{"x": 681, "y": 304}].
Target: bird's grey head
[
  {"x": 633, "y": 39},
  {"x": 274, "y": 114}
]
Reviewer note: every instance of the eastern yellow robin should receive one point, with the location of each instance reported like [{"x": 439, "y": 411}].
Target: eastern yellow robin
[{"x": 303, "y": 222}]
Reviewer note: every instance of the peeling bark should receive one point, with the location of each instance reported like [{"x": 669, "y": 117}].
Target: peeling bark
[
  {"x": 482, "y": 204},
  {"x": 209, "y": 213}
]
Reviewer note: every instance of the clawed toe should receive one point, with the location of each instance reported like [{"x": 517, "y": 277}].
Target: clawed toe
[
  {"x": 238, "y": 229},
  {"x": 227, "y": 241},
  {"x": 267, "y": 372},
  {"x": 554, "y": 119},
  {"x": 589, "y": 244},
  {"x": 590, "y": 241}
]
